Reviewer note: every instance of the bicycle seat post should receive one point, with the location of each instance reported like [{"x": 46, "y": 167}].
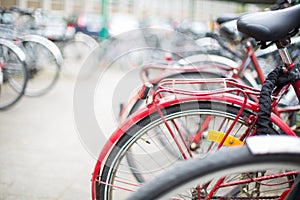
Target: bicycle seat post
[
  {"x": 288, "y": 62},
  {"x": 284, "y": 53}
]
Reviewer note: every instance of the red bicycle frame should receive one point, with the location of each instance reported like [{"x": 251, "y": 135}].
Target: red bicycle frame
[{"x": 232, "y": 93}]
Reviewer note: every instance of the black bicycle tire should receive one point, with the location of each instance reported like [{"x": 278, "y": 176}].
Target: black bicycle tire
[{"x": 221, "y": 161}]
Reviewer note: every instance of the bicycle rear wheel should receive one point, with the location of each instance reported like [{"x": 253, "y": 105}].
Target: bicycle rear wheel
[
  {"x": 252, "y": 171},
  {"x": 85, "y": 43},
  {"x": 44, "y": 61},
  {"x": 142, "y": 142},
  {"x": 13, "y": 74}
]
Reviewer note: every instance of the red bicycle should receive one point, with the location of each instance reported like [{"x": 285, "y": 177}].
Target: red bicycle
[{"x": 177, "y": 123}]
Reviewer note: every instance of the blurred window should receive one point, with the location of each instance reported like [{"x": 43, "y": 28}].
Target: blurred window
[
  {"x": 57, "y": 4},
  {"x": 34, "y": 4}
]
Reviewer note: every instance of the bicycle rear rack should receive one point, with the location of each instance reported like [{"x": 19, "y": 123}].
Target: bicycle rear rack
[{"x": 212, "y": 86}]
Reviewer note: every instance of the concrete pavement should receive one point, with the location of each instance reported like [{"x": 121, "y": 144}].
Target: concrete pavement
[{"x": 42, "y": 157}]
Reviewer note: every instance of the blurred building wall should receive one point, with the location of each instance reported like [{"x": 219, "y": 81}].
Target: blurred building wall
[{"x": 196, "y": 10}]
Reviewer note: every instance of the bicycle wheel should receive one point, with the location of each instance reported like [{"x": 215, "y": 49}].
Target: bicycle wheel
[
  {"x": 80, "y": 40},
  {"x": 44, "y": 61},
  {"x": 142, "y": 142},
  {"x": 13, "y": 74},
  {"x": 265, "y": 168}
]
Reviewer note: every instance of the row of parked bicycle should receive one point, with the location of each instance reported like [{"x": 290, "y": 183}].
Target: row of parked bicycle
[
  {"x": 30, "y": 63},
  {"x": 208, "y": 101}
]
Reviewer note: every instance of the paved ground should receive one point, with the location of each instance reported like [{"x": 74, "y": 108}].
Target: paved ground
[
  {"x": 42, "y": 157},
  {"x": 41, "y": 154}
]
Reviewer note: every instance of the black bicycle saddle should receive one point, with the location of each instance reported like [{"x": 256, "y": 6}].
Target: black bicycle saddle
[
  {"x": 270, "y": 25},
  {"x": 228, "y": 17}
]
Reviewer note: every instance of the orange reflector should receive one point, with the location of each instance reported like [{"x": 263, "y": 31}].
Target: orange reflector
[{"x": 217, "y": 136}]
